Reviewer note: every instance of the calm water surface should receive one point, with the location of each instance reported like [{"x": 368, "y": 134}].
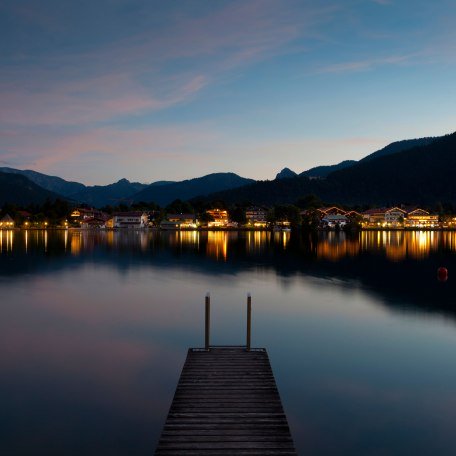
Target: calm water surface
[{"x": 94, "y": 329}]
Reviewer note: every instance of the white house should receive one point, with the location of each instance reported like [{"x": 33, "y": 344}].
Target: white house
[
  {"x": 333, "y": 220},
  {"x": 395, "y": 216},
  {"x": 133, "y": 219}
]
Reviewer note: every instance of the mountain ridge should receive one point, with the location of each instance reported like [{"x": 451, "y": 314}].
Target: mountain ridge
[
  {"x": 422, "y": 174},
  {"x": 328, "y": 182},
  {"x": 111, "y": 194},
  {"x": 18, "y": 189},
  {"x": 52, "y": 183},
  {"x": 189, "y": 188},
  {"x": 324, "y": 170}
]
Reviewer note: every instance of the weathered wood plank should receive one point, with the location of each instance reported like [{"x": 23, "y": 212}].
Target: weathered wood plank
[{"x": 226, "y": 402}]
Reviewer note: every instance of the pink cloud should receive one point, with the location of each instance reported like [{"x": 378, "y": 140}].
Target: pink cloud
[
  {"x": 87, "y": 101},
  {"x": 135, "y": 75}
]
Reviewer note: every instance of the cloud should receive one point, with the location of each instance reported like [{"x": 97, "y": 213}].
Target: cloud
[
  {"x": 146, "y": 70},
  {"x": 365, "y": 65},
  {"x": 87, "y": 101},
  {"x": 102, "y": 155}
]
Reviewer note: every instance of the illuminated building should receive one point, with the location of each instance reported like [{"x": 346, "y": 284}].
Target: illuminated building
[
  {"x": 180, "y": 222},
  {"x": 132, "y": 219},
  {"x": 89, "y": 218},
  {"x": 219, "y": 216},
  {"x": 330, "y": 217},
  {"x": 395, "y": 216},
  {"x": 353, "y": 214},
  {"x": 419, "y": 218},
  {"x": 385, "y": 217},
  {"x": 94, "y": 222},
  {"x": 256, "y": 216},
  {"x": 6, "y": 222},
  {"x": 333, "y": 220},
  {"x": 375, "y": 217},
  {"x": 333, "y": 210}
]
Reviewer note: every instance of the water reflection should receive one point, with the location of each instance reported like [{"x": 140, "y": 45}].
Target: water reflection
[
  {"x": 256, "y": 241},
  {"x": 217, "y": 243},
  {"x": 95, "y": 325},
  {"x": 335, "y": 246},
  {"x": 396, "y": 246},
  {"x": 6, "y": 240},
  {"x": 395, "y": 264}
]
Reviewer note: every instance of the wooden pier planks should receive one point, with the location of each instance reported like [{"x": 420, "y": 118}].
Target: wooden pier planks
[{"x": 226, "y": 403}]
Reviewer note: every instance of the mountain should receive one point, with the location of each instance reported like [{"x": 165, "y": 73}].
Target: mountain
[
  {"x": 365, "y": 182},
  {"x": 17, "y": 189},
  {"x": 268, "y": 192},
  {"x": 286, "y": 173},
  {"x": 112, "y": 194},
  {"x": 393, "y": 148},
  {"x": 323, "y": 171},
  {"x": 184, "y": 190},
  {"x": 158, "y": 183},
  {"x": 423, "y": 174},
  {"x": 96, "y": 195},
  {"x": 52, "y": 183},
  {"x": 399, "y": 146}
]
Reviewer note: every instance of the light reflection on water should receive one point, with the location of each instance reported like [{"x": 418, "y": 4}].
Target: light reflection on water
[
  {"x": 397, "y": 245},
  {"x": 94, "y": 328}
]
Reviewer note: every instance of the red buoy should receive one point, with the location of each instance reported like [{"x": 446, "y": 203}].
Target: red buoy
[{"x": 442, "y": 274}]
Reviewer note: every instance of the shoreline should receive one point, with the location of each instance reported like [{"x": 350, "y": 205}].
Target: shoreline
[{"x": 229, "y": 229}]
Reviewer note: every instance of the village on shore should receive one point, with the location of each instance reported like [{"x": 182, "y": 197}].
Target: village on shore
[{"x": 252, "y": 218}]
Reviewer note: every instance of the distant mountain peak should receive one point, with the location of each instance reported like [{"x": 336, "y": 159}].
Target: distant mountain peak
[
  {"x": 286, "y": 173},
  {"x": 164, "y": 193}
]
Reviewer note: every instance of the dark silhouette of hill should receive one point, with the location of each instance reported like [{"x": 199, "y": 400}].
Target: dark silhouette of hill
[
  {"x": 158, "y": 183},
  {"x": 399, "y": 146},
  {"x": 18, "y": 189},
  {"x": 187, "y": 189},
  {"x": 113, "y": 194},
  {"x": 323, "y": 171},
  {"x": 422, "y": 175},
  {"x": 409, "y": 174},
  {"x": 393, "y": 148},
  {"x": 286, "y": 173},
  {"x": 268, "y": 192},
  {"x": 96, "y": 195},
  {"x": 51, "y": 183}
]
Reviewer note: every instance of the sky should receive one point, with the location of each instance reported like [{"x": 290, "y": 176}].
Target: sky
[{"x": 99, "y": 90}]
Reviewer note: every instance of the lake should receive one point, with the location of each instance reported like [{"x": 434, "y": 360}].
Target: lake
[{"x": 94, "y": 329}]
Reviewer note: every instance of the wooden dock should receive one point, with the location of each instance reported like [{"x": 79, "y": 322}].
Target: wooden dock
[{"x": 226, "y": 403}]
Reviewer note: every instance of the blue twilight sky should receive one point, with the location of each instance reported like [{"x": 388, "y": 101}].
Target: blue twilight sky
[{"x": 98, "y": 90}]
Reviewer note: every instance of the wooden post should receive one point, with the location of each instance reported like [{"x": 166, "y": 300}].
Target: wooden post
[
  {"x": 249, "y": 321},
  {"x": 207, "y": 322}
]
